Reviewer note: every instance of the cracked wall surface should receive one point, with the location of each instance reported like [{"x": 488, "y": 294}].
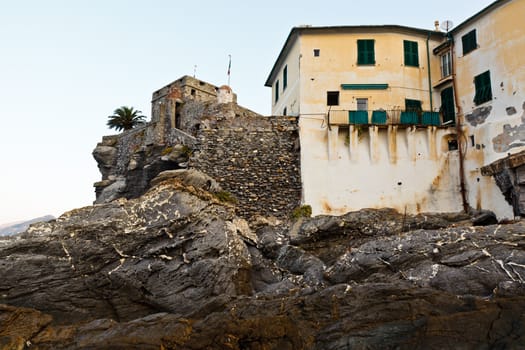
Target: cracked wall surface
[{"x": 511, "y": 137}]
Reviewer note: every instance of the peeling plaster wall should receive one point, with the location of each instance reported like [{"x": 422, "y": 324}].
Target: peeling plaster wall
[
  {"x": 378, "y": 168},
  {"x": 496, "y": 128}
]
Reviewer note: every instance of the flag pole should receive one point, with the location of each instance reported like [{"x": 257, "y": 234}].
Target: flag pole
[{"x": 229, "y": 68}]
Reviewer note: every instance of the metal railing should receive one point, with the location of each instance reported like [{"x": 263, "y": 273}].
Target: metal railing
[{"x": 386, "y": 117}]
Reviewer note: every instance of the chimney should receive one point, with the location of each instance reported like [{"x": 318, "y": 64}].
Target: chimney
[{"x": 436, "y": 25}]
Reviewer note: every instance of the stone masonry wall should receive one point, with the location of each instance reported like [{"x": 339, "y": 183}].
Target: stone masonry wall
[{"x": 258, "y": 163}]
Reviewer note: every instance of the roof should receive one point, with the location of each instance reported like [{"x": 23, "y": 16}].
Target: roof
[
  {"x": 479, "y": 14},
  {"x": 297, "y": 31}
]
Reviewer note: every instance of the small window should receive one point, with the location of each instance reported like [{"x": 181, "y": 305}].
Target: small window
[
  {"x": 413, "y": 106},
  {"x": 483, "y": 88},
  {"x": 192, "y": 92},
  {"x": 446, "y": 64},
  {"x": 362, "y": 104},
  {"x": 411, "y": 53},
  {"x": 332, "y": 98},
  {"x": 317, "y": 52},
  {"x": 285, "y": 77},
  {"x": 469, "y": 42},
  {"x": 452, "y": 145},
  {"x": 365, "y": 52},
  {"x": 277, "y": 91},
  {"x": 284, "y": 111}
]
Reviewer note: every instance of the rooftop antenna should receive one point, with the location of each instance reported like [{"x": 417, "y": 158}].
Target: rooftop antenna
[{"x": 447, "y": 25}]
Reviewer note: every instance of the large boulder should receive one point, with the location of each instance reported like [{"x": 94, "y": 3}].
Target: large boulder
[{"x": 176, "y": 249}]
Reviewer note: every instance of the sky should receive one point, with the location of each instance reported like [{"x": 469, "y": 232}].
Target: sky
[{"x": 65, "y": 65}]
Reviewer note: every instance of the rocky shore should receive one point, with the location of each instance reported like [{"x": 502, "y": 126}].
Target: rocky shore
[{"x": 177, "y": 269}]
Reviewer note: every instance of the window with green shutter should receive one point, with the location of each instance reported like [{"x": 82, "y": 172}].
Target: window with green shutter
[
  {"x": 365, "y": 52},
  {"x": 277, "y": 91},
  {"x": 483, "y": 88},
  {"x": 285, "y": 77},
  {"x": 411, "y": 53},
  {"x": 413, "y": 106},
  {"x": 469, "y": 42}
]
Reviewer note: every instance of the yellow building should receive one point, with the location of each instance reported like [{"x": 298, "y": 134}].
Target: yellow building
[
  {"x": 379, "y": 118},
  {"x": 490, "y": 95}
]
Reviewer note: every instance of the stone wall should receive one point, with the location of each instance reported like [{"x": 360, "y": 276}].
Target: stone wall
[
  {"x": 253, "y": 158},
  {"x": 256, "y": 159}
]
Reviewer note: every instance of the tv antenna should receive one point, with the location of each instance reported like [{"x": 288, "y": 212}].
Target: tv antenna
[{"x": 447, "y": 25}]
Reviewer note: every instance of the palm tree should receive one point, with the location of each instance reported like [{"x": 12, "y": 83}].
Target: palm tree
[{"x": 125, "y": 118}]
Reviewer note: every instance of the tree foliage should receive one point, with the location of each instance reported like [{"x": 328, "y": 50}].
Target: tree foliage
[{"x": 125, "y": 118}]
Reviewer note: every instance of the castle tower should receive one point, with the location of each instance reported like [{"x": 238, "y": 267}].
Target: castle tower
[{"x": 225, "y": 94}]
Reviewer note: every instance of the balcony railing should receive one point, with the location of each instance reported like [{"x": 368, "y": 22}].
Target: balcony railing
[{"x": 383, "y": 117}]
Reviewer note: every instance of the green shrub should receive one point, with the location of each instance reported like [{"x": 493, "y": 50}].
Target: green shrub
[
  {"x": 304, "y": 211},
  {"x": 225, "y": 196},
  {"x": 167, "y": 150},
  {"x": 187, "y": 151}
]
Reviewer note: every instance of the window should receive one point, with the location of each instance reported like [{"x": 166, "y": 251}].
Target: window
[
  {"x": 411, "y": 53},
  {"x": 284, "y": 111},
  {"x": 365, "y": 52},
  {"x": 483, "y": 88},
  {"x": 277, "y": 91},
  {"x": 285, "y": 77},
  {"x": 362, "y": 104},
  {"x": 469, "y": 42},
  {"x": 448, "y": 109},
  {"x": 413, "y": 106},
  {"x": 317, "y": 52},
  {"x": 446, "y": 64},
  {"x": 332, "y": 98}
]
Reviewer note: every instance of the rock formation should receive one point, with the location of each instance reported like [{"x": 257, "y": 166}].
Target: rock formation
[{"x": 177, "y": 269}]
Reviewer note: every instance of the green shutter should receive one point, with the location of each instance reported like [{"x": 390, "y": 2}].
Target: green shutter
[
  {"x": 410, "y": 49},
  {"x": 277, "y": 91},
  {"x": 413, "y": 105},
  {"x": 469, "y": 42},
  {"x": 365, "y": 52},
  {"x": 483, "y": 88},
  {"x": 285, "y": 77}
]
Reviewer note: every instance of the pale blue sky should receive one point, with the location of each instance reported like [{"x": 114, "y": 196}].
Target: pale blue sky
[{"x": 65, "y": 65}]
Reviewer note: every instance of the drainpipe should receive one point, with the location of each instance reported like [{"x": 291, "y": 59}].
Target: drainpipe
[
  {"x": 429, "y": 75},
  {"x": 459, "y": 132}
]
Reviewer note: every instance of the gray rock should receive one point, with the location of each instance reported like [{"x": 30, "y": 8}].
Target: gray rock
[
  {"x": 128, "y": 259},
  {"x": 106, "y": 157},
  {"x": 176, "y": 269},
  {"x": 189, "y": 177},
  {"x": 112, "y": 191},
  {"x": 484, "y": 219}
]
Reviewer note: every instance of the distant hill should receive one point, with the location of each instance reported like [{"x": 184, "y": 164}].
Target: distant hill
[{"x": 20, "y": 226}]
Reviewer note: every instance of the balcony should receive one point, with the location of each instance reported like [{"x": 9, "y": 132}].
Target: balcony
[{"x": 386, "y": 117}]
